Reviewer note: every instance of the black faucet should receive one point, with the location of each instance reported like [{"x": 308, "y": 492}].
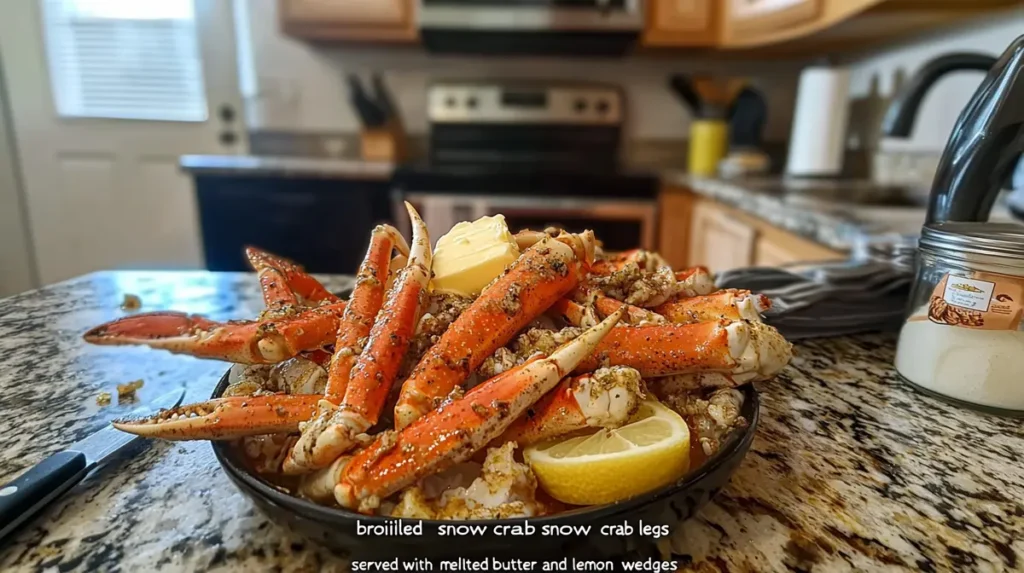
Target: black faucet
[
  {"x": 900, "y": 116},
  {"x": 987, "y": 140}
]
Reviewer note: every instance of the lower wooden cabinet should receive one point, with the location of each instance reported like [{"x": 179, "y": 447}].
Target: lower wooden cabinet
[
  {"x": 719, "y": 241},
  {"x": 697, "y": 231}
]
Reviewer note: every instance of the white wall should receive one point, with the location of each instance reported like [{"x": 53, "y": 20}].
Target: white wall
[
  {"x": 943, "y": 104},
  {"x": 16, "y": 268},
  {"x": 293, "y": 85}
]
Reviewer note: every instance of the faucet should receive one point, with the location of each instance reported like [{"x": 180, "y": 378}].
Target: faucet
[
  {"x": 899, "y": 118},
  {"x": 987, "y": 140}
]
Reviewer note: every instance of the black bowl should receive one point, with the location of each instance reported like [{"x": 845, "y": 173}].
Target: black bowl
[{"x": 338, "y": 529}]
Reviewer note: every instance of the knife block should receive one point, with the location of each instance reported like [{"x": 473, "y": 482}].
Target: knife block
[{"x": 386, "y": 144}]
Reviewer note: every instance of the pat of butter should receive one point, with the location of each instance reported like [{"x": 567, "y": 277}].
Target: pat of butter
[{"x": 472, "y": 254}]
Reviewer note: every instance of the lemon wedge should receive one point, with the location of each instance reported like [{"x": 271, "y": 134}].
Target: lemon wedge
[{"x": 650, "y": 451}]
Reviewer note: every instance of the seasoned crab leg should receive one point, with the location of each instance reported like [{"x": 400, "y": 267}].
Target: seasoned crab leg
[
  {"x": 242, "y": 342},
  {"x": 606, "y": 398},
  {"x": 731, "y": 304},
  {"x": 634, "y": 314},
  {"x": 454, "y": 432},
  {"x": 284, "y": 283},
  {"x": 574, "y": 313},
  {"x": 335, "y": 429},
  {"x": 540, "y": 276},
  {"x": 364, "y": 304},
  {"x": 225, "y": 418},
  {"x": 747, "y": 351}
]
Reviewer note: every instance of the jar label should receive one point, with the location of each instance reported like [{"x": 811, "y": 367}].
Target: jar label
[{"x": 985, "y": 301}]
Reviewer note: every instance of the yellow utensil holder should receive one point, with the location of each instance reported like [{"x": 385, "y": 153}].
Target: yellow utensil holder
[{"x": 709, "y": 142}]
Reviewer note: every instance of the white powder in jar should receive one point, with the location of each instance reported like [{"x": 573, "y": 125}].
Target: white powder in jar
[{"x": 983, "y": 367}]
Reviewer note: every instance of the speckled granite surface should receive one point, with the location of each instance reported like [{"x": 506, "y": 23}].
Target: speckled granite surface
[
  {"x": 850, "y": 471},
  {"x": 839, "y": 214}
]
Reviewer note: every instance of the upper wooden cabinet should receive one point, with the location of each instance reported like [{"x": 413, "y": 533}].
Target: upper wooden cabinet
[
  {"x": 366, "y": 20},
  {"x": 786, "y": 28},
  {"x": 747, "y": 20},
  {"x": 681, "y": 23}
]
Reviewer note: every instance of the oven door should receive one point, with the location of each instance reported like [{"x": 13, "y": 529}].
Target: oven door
[{"x": 620, "y": 224}]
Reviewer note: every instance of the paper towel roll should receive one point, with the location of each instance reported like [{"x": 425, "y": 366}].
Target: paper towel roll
[{"x": 819, "y": 123}]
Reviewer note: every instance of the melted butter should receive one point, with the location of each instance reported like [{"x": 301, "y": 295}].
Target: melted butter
[{"x": 472, "y": 254}]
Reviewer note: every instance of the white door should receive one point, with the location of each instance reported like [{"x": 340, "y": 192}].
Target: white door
[{"x": 137, "y": 85}]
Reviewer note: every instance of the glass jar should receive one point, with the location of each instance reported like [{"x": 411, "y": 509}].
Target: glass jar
[{"x": 963, "y": 337}]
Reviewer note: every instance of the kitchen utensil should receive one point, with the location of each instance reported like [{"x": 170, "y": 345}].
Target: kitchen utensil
[
  {"x": 747, "y": 117},
  {"x": 819, "y": 123},
  {"x": 370, "y": 112},
  {"x": 382, "y": 96},
  {"x": 717, "y": 94},
  {"x": 710, "y": 102},
  {"x": 33, "y": 490},
  {"x": 336, "y": 528},
  {"x": 681, "y": 87}
]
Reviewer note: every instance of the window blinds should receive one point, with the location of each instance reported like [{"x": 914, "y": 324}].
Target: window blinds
[{"x": 124, "y": 59}]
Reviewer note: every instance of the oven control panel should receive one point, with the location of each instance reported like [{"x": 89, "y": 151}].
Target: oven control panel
[{"x": 485, "y": 103}]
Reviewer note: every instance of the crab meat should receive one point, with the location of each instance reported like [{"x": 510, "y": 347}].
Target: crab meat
[
  {"x": 606, "y": 398},
  {"x": 504, "y": 489}
]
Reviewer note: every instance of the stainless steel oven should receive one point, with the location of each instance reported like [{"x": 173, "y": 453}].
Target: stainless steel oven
[
  {"x": 620, "y": 223},
  {"x": 542, "y": 155}
]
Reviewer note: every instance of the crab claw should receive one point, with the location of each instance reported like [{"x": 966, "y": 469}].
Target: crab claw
[
  {"x": 241, "y": 342},
  {"x": 225, "y": 418},
  {"x": 606, "y": 398},
  {"x": 746, "y": 351},
  {"x": 454, "y": 432},
  {"x": 285, "y": 283}
]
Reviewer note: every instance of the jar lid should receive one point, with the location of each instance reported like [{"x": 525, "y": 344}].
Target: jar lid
[{"x": 988, "y": 239}]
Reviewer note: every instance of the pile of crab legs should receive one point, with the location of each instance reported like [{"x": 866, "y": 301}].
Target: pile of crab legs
[{"x": 686, "y": 330}]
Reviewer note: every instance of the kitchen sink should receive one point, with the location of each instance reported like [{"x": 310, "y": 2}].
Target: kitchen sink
[{"x": 836, "y": 192}]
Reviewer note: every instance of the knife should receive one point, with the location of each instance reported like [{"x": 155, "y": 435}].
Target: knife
[
  {"x": 370, "y": 113},
  {"x": 33, "y": 490}
]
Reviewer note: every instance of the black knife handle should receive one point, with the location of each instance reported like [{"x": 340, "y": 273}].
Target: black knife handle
[{"x": 30, "y": 492}]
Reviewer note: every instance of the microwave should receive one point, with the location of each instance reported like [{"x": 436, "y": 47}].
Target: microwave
[{"x": 531, "y": 27}]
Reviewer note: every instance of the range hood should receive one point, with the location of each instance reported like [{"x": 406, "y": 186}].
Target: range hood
[{"x": 601, "y": 28}]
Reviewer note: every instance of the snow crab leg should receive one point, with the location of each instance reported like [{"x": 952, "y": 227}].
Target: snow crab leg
[
  {"x": 731, "y": 304},
  {"x": 454, "y": 432},
  {"x": 606, "y": 398},
  {"x": 364, "y": 304},
  {"x": 285, "y": 284},
  {"x": 242, "y": 342},
  {"x": 543, "y": 273},
  {"x": 335, "y": 429},
  {"x": 746, "y": 351},
  {"x": 225, "y": 418}
]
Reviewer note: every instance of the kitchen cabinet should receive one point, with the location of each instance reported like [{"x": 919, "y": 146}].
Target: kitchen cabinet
[
  {"x": 681, "y": 23},
  {"x": 694, "y": 230},
  {"x": 360, "y": 20},
  {"x": 719, "y": 241}
]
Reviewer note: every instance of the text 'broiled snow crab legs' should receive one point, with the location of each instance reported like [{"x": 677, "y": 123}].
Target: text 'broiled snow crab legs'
[{"x": 367, "y": 396}]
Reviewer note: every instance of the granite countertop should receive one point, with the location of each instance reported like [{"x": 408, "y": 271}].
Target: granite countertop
[
  {"x": 830, "y": 213},
  {"x": 851, "y": 470},
  {"x": 310, "y": 167}
]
